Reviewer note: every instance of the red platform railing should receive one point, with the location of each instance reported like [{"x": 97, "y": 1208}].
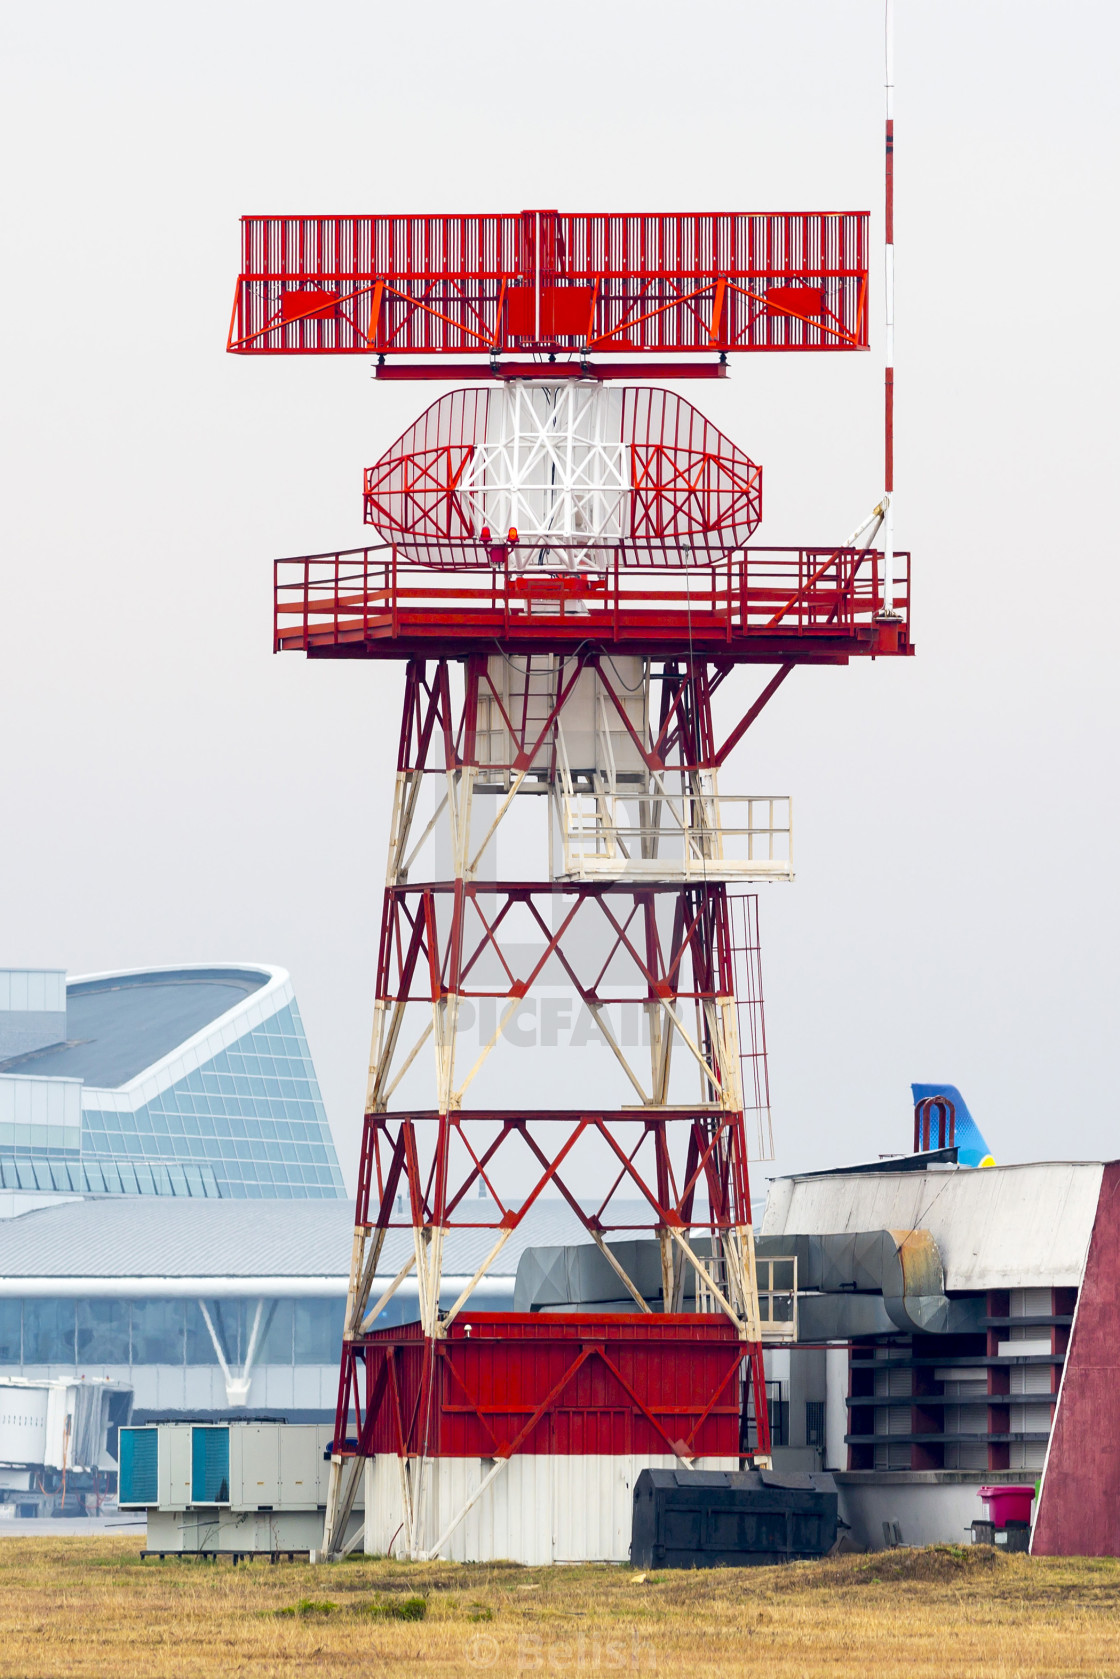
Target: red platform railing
[{"x": 759, "y": 603}]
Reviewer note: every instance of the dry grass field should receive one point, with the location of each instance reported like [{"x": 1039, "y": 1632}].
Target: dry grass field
[{"x": 76, "y": 1606}]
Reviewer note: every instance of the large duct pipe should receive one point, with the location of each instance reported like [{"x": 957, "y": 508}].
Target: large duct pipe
[
  {"x": 902, "y": 1267},
  {"x": 864, "y": 1282}
]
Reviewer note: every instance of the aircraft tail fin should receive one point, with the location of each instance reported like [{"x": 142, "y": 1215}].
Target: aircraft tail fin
[{"x": 941, "y": 1117}]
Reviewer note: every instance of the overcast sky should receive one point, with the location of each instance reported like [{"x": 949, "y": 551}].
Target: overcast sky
[{"x": 172, "y": 792}]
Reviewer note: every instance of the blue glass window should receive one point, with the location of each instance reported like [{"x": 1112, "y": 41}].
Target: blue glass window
[
  {"x": 200, "y": 1348},
  {"x": 275, "y": 1336},
  {"x": 48, "y": 1332},
  {"x": 10, "y": 1351},
  {"x": 103, "y": 1332},
  {"x": 262, "y": 1092},
  {"x": 318, "y": 1330},
  {"x": 157, "y": 1331}
]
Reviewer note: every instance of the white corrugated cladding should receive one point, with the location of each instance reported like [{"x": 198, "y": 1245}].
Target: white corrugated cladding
[
  {"x": 995, "y": 1226},
  {"x": 541, "y": 1508},
  {"x": 150, "y": 1236},
  {"x": 36, "y": 990}
]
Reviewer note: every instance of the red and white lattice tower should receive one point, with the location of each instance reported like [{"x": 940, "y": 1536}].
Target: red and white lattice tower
[{"x": 565, "y": 570}]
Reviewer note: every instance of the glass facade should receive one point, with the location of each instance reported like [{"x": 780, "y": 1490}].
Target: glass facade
[
  {"x": 251, "y": 1117},
  {"x": 107, "y": 1177},
  {"x": 91, "y": 1333},
  {"x": 86, "y": 1333},
  {"x": 48, "y": 1331},
  {"x": 11, "y": 1351},
  {"x": 249, "y": 1122},
  {"x": 55, "y": 1141}
]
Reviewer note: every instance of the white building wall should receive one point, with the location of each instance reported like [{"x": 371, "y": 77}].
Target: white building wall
[
  {"x": 38, "y": 1113},
  {"x": 836, "y": 1407},
  {"x": 539, "y": 1509},
  {"x": 33, "y": 990},
  {"x": 927, "y": 1512}
]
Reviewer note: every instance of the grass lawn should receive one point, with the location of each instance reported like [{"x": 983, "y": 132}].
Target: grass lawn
[{"x": 77, "y": 1606}]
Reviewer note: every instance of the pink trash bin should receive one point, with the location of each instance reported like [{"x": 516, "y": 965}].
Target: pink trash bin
[{"x": 1007, "y": 1504}]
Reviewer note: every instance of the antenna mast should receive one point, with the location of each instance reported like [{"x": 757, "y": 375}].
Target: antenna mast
[{"x": 888, "y": 293}]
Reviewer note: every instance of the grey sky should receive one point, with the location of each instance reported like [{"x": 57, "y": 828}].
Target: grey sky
[{"x": 174, "y": 793}]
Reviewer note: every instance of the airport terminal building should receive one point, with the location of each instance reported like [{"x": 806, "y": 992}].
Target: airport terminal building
[
  {"x": 140, "y": 1111},
  {"x": 190, "y": 1082},
  {"x": 198, "y": 1307},
  {"x": 205, "y": 1308}
]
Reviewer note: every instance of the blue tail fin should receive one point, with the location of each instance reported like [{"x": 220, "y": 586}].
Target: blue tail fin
[{"x": 972, "y": 1149}]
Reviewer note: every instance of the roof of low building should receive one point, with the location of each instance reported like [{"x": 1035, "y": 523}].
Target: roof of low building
[
  {"x": 159, "y": 1237},
  {"x": 1020, "y": 1226}
]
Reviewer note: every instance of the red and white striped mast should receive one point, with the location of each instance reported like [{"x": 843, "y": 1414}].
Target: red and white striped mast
[{"x": 888, "y": 299}]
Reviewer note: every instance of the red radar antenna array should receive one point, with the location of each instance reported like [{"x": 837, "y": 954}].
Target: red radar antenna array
[
  {"x": 567, "y": 578},
  {"x": 546, "y": 283}
]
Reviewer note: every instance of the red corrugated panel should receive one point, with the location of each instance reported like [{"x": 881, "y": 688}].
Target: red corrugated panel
[
  {"x": 567, "y": 1385},
  {"x": 1079, "y": 1510}
]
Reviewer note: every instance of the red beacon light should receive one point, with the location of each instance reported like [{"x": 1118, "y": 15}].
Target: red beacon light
[
  {"x": 512, "y": 537},
  {"x": 484, "y": 534}
]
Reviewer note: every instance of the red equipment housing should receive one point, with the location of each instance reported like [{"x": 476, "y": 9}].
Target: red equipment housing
[{"x": 555, "y": 1383}]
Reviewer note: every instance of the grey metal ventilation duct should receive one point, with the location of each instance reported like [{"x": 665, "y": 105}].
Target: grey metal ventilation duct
[
  {"x": 866, "y": 1282},
  {"x": 870, "y": 1282}
]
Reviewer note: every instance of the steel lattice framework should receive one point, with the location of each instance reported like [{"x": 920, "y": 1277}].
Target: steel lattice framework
[{"x": 636, "y": 918}]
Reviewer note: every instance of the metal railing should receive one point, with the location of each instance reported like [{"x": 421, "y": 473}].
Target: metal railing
[
  {"x": 777, "y": 1297},
  {"x": 715, "y": 837},
  {"x": 378, "y": 593}
]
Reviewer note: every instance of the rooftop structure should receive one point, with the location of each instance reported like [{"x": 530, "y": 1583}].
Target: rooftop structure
[
  {"x": 96, "y": 1247},
  {"x": 981, "y": 1351},
  {"x": 190, "y": 1081}
]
